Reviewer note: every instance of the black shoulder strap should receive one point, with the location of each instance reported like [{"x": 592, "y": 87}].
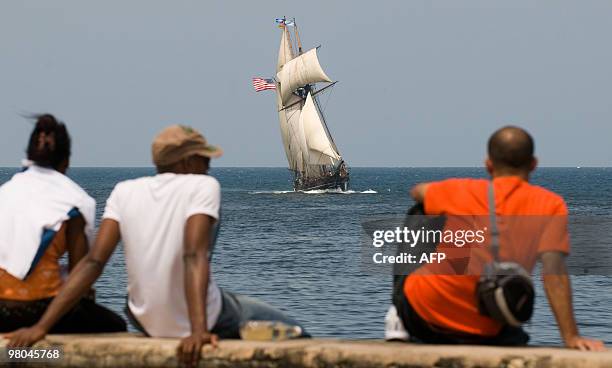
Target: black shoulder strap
[{"x": 494, "y": 230}]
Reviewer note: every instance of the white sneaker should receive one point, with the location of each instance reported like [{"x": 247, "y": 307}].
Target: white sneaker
[{"x": 394, "y": 328}]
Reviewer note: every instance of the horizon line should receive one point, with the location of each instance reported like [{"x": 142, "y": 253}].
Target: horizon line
[{"x": 360, "y": 167}]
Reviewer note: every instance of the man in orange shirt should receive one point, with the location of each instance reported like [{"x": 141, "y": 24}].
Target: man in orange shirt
[{"x": 439, "y": 308}]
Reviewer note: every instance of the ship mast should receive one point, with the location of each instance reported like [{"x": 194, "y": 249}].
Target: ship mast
[
  {"x": 289, "y": 43},
  {"x": 297, "y": 37}
]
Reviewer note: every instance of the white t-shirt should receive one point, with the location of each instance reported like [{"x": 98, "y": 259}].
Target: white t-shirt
[{"x": 152, "y": 213}]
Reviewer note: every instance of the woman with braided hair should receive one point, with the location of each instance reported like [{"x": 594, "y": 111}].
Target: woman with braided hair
[{"x": 43, "y": 215}]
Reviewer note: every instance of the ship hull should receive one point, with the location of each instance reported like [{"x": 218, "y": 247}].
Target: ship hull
[{"x": 321, "y": 183}]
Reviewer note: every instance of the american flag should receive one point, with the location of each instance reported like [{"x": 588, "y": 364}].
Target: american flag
[{"x": 261, "y": 84}]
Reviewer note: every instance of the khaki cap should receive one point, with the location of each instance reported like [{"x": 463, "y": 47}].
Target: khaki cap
[{"x": 177, "y": 142}]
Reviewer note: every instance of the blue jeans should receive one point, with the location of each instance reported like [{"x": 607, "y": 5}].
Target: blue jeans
[{"x": 238, "y": 309}]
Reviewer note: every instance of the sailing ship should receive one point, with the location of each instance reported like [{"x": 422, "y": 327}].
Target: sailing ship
[{"x": 312, "y": 154}]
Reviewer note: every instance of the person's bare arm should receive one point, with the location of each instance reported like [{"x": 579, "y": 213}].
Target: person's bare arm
[
  {"x": 195, "y": 257},
  {"x": 418, "y": 192},
  {"x": 559, "y": 292},
  {"x": 76, "y": 241},
  {"x": 77, "y": 245},
  {"x": 79, "y": 282}
]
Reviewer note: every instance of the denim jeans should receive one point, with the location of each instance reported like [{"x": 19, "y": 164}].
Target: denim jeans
[{"x": 237, "y": 310}]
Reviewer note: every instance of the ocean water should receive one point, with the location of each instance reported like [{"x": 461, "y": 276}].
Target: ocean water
[{"x": 301, "y": 251}]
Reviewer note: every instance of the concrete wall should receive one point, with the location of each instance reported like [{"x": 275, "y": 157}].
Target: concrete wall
[{"x": 125, "y": 350}]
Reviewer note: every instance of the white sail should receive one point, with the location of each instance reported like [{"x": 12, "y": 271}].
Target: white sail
[
  {"x": 285, "y": 53},
  {"x": 321, "y": 149},
  {"x": 288, "y": 118},
  {"x": 299, "y": 71},
  {"x": 294, "y": 139},
  {"x": 284, "y": 128}
]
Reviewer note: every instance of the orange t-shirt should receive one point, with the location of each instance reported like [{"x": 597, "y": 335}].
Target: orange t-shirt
[
  {"x": 44, "y": 281},
  {"x": 449, "y": 301}
]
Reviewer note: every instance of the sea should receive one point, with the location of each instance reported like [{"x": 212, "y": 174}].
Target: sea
[{"x": 301, "y": 251}]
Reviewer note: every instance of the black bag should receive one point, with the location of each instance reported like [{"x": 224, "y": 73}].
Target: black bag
[{"x": 505, "y": 290}]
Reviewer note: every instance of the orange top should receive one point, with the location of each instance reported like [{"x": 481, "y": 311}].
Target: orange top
[
  {"x": 449, "y": 301},
  {"x": 44, "y": 281}
]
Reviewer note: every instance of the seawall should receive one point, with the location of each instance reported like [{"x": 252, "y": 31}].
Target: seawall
[{"x": 126, "y": 350}]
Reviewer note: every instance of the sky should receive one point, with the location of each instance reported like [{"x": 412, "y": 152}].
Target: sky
[{"x": 421, "y": 83}]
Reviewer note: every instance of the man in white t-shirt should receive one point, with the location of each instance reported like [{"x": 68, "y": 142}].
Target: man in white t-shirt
[{"x": 167, "y": 223}]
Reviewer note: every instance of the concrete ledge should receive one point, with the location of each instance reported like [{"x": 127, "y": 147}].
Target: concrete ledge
[{"x": 126, "y": 350}]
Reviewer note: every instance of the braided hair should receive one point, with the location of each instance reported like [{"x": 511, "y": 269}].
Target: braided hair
[{"x": 49, "y": 144}]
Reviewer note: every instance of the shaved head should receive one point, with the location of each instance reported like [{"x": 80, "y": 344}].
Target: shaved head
[{"x": 511, "y": 148}]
